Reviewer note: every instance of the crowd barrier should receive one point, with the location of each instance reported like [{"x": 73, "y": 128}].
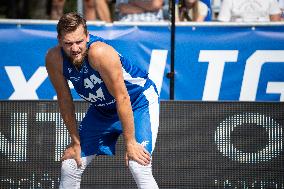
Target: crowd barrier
[
  {"x": 213, "y": 61},
  {"x": 200, "y": 145}
]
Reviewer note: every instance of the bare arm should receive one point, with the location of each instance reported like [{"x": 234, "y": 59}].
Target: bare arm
[
  {"x": 65, "y": 101},
  {"x": 275, "y": 18},
  {"x": 150, "y": 5},
  {"x": 200, "y": 18},
  {"x": 109, "y": 66},
  {"x": 110, "y": 70},
  {"x": 103, "y": 10},
  {"x": 126, "y": 8},
  {"x": 177, "y": 16}
]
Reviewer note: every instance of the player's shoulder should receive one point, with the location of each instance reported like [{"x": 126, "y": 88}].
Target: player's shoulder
[
  {"x": 54, "y": 53},
  {"x": 53, "y": 57},
  {"x": 100, "y": 49},
  {"x": 101, "y": 55}
]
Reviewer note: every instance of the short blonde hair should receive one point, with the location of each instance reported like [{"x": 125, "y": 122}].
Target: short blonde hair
[{"x": 69, "y": 22}]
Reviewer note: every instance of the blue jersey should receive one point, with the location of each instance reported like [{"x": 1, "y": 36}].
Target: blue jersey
[{"x": 90, "y": 86}]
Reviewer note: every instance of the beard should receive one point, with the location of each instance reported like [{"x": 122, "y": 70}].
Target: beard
[{"x": 79, "y": 61}]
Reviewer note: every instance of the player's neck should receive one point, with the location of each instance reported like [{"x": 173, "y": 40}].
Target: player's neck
[{"x": 78, "y": 65}]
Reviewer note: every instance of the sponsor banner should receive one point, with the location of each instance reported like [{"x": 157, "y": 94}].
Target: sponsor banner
[
  {"x": 200, "y": 145},
  {"x": 239, "y": 63},
  {"x": 23, "y": 49},
  {"x": 230, "y": 63}
]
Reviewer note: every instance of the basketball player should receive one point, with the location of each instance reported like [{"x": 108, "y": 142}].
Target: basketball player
[{"x": 123, "y": 100}]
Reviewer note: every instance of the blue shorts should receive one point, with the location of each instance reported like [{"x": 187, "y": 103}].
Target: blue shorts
[{"x": 99, "y": 131}]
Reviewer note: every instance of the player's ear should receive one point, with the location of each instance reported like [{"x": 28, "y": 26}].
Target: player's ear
[
  {"x": 88, "y": 37},
  {"x": 59, "y": 40}
]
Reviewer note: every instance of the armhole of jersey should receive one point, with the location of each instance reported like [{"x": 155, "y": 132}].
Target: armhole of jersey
[
  {"x": 121, "y": 58},
  {"x": 94, "y": 39}
]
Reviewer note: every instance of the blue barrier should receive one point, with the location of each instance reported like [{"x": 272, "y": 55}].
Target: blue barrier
[{"x": 213, "y": 61}]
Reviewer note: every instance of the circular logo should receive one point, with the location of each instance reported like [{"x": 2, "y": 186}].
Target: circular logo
[{"x": 271, "y": 150}]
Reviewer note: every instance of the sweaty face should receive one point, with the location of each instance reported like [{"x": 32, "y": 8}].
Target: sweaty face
[{"x": 74, "y": 45}]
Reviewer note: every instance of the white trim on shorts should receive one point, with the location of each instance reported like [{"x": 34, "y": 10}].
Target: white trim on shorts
[{"x": 154, "y": 111}]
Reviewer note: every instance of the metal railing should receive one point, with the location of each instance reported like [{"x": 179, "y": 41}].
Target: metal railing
[{"x": 161, "y": 23}]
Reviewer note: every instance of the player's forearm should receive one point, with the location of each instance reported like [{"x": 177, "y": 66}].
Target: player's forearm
[
  {"x": 103, "y": 11},
  {"x": 129, "y": 9},
  {"x": 151, "y": 5},
  {"x": 200, "y": 18},
  {"x": 126, "y": 117},
  {"x": 68, "y": 116},
  {"x": 275, "y": 18}
]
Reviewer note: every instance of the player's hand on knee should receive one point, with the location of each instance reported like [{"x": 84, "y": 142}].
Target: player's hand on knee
[
  {"x": 73, "y": 151},
  {"x": 137, "y": 153}
]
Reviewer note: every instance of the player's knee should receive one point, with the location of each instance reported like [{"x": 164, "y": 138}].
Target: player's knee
[
  {"x": 69, "y": 169},
  {"x": 143, "y": 175},
  {"x": 138, "y": 168},
  {"x": 71, "y": 174}
]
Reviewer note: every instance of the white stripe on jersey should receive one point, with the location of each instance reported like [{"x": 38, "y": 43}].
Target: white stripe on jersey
[{"x": 137, "y": 80}]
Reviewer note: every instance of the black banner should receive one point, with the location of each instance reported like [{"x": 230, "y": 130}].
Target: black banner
[{"x": 199, "y": 145}]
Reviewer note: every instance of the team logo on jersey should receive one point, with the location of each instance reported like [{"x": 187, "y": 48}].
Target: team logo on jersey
[
  {"x": 86, "y": 70},
  {"x": 69, "y": 70},
  {"x": 145, "y": 143}
]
